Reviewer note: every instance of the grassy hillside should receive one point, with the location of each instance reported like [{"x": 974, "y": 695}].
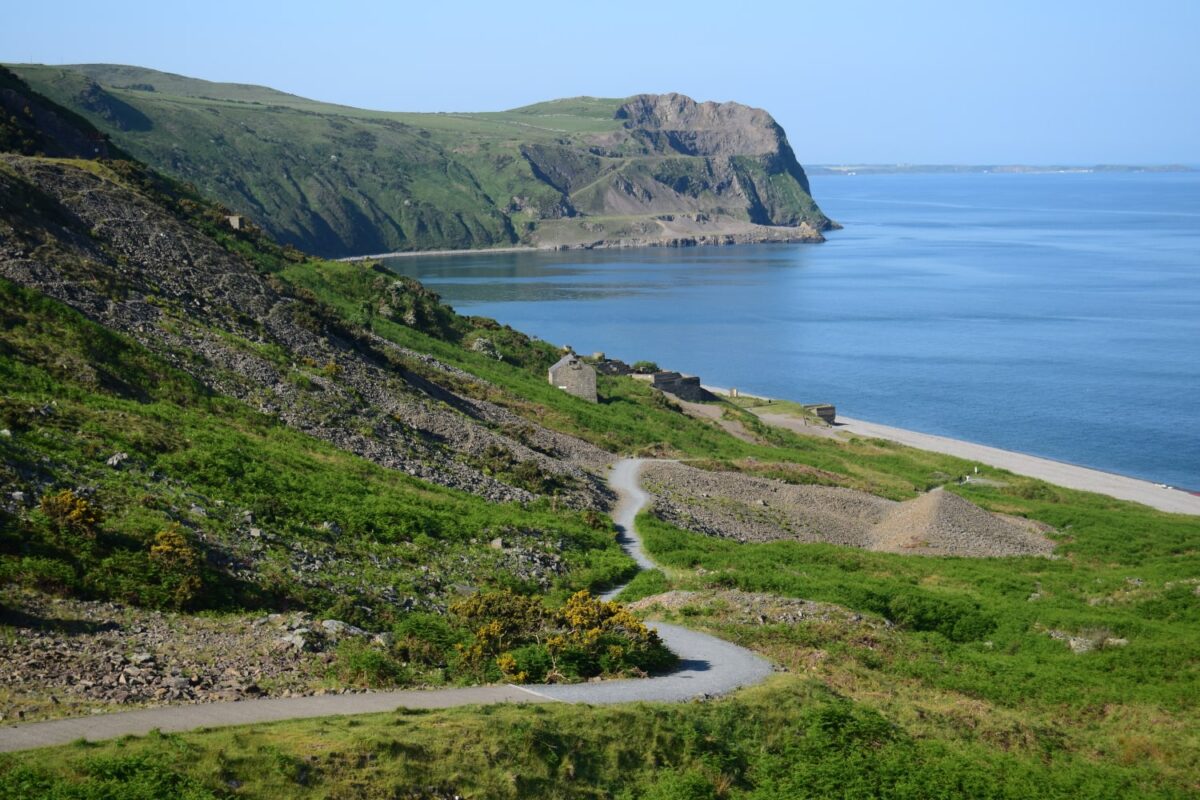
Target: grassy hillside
[
  {"x": 342, "y": 181},
  {"x": 198, "y": 426},
  {"x": 75, "y": 394}
]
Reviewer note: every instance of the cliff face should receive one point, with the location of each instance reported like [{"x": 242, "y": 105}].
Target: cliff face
[
  {"x": 677, "y": 123},
  {"x": 725, "y": 159},
  {"x": 652, "y": 169}
]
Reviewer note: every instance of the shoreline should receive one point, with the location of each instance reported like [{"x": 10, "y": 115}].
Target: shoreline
[
  {"x": 1061, "y": 473},
  {"x": 468, "y": 251},
  {"x": 730, "y": 239}
]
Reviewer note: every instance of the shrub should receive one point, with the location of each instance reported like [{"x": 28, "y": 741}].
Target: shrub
[
  {"x": 426, "y": 639},
  {"x": 645, "y": 367},
  {"x": 44, "y": 574},
  {"x": 360, "y": 664},
  {"x": 69, "y": 513},
  {"x": 957, "y": 619},
  {"x": 178, "y": 563},
  {"x": 516, "y": 637}
]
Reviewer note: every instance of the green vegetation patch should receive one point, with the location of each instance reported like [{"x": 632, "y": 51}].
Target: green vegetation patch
[
  {"x": 214, "y": 506},
  {"x": 1019, "y": 632},
  {"x": 794, "y": 738}
]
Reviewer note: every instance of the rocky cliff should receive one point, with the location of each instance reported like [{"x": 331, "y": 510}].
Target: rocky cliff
[{"x": 584, "y": 172}]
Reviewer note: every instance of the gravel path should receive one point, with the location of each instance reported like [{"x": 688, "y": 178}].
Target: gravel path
[
  {"x": 709, "y": 667},
  {"x": 625, "y": 481},
  {"x": 272, "y": 709}
]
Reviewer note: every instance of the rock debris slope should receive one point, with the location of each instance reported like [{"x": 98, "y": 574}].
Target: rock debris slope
[
  {"x": 757, "y": 509},
  {"x": 942, "y": 523},
  {"x": 126, "y": 262}
]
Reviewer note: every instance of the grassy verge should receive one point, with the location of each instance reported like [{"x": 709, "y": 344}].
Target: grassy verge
[
  {"x": 1094, "y": 654},
  {"x": 792, "y": 738}
]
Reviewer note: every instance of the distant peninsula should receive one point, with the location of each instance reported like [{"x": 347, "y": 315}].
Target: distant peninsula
[
  {"x": 340, "y": 181},
  {"x": 1012, "y": 169}
]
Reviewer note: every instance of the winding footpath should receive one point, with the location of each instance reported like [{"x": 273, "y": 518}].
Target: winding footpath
[{"x": 708, "y": 667}]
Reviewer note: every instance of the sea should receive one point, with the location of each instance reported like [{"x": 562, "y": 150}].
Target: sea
[{"x": 1055, "y": 314}]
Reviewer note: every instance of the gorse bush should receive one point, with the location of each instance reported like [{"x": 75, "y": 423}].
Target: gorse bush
[
  {"x": 70, "y": 515},
  {"x": 518, "y": 638},
  {"x": 178, "y": 563}
]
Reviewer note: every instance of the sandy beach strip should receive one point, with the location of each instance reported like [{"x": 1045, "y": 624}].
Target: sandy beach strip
[
  {"x": 1057, "y": 472},
  {"x": 1071, "y": 476}
]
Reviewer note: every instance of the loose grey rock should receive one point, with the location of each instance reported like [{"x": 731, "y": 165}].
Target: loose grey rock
[
  {"x": 116, "y": 459},
  {"x": 337, "y": 629},
  {"x": 296, "y": 640}
]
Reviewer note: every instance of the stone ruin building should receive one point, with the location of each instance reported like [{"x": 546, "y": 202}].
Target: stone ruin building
[
  {"x": 571, "y": 374},
  {"x": 825, "y": 411},
  {"x": 685, "y": 387}
]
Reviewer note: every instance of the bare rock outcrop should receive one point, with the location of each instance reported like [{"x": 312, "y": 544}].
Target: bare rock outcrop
[{"x": 677, "y": 123}]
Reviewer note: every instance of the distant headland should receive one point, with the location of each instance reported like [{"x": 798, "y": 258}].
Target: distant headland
[{"x": 1010, "y": 169}]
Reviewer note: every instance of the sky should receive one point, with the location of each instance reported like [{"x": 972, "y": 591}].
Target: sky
[{"x": 851, "y": 81}]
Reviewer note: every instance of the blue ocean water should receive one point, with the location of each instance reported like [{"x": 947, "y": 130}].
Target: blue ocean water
[{"x": 1053, "y": 314}]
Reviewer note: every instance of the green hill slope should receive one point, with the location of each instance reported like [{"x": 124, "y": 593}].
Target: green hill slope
[
  {"x": 198, "y": 427},
  {"x": 343, "y": 181}
]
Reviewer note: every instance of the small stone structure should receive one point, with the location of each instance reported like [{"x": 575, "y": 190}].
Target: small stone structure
[
  {"x": 612, "y": 366},
  {"x": 685, "y": 387},
  {"x": 825, "y": 411},
  {"x": 575, "y": 377},
  {"x": 234, "y": 221}
]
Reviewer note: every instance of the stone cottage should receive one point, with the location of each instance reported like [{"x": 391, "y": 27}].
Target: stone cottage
[{"x": 575, "y": 377}]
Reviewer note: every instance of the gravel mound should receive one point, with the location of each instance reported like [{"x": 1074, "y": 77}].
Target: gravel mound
[
  {"x": 750, "y": 509},
  {"x": 759, "y": 509},
  {"x": 942, "y": 523}
]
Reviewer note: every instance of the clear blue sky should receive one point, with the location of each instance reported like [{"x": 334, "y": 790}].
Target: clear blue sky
[{"x": 1053, "y": 81}]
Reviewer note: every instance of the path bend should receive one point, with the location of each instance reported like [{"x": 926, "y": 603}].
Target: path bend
[{"x": 708, "y": 667}]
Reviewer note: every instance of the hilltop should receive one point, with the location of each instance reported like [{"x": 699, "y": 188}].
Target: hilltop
[{"x": 341, "y": 181}]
